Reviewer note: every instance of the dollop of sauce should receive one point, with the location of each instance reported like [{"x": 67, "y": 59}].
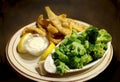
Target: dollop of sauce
[
  {"x": 49, "y": 65},
  {"x": 36, "y": 44}
]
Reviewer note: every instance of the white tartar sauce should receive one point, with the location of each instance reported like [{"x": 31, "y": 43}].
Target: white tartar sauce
[{"x": 36, "y": 44}]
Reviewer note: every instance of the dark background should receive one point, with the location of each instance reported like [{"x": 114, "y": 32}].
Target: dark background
[{"x": 14, "y": 14}]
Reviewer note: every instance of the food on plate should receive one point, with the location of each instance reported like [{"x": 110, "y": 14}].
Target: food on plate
[
  {"x": 71, "y": 44},
  {"x": 54, "y": 28},
  {"x": 79, "y": 49},
  {"x": 43, "y": 57},
  {"x": 33, "y": 30},
  {"x": 57, "y": 23},
  {"x": 23, "y": 39},
  {"x": 47, "y": 51},
  {"x": 63, "y": 24},
  {"x": 33, "y": 44}
]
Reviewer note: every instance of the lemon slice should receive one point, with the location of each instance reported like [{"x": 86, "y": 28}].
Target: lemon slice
[
  {"x": 22, "y": 41},
  {"x": 47, "y": 51}
]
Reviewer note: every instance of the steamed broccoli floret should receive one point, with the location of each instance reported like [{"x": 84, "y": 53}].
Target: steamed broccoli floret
[
  {"x": 90, "y": 49},
  {"x": 99, "y": 50},
  {"x": 86, "y": 44},
  {"x": 75, "y": 63},
  {"x": 74, "y": 33},
  {"x": 71, "y": 38},
  {"x": 61, "y": 67},
  {"x": 60, "y": 55},
  {"x": 85, "y": 59},
  {"x": 91, "y": 34},
  {"x": 103, "y": 36},
  {"x": 77, "y": 49},
  {"x": 79, "y": 62}
]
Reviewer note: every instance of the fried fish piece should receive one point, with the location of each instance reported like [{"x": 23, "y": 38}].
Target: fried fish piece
[
  {"x": 52, "y": 29},
  {"x": 56, "y": 22}
]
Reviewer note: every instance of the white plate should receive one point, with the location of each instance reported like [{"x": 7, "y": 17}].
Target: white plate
[{"x": 25, "y": 64}]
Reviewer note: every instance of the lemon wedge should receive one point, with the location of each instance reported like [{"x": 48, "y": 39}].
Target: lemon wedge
[
  {"x": 22, "y": 41},
  {"x": 47, "y": 51}
]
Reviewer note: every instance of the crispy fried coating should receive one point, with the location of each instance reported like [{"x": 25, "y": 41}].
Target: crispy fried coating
[
  {"x": 79, "y": 27},
  {"x": 54, "y": 40},
  {"x": 43, "y": 22},
  {"x": 55, "y": 27},
  {"x": 56, "y": 22},
  {"x": 33, "y": 30},
  {"x": 52, "y": 29}
]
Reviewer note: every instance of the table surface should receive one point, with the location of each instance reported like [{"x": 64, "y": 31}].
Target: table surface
[{"x": 15, "y": 14}]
